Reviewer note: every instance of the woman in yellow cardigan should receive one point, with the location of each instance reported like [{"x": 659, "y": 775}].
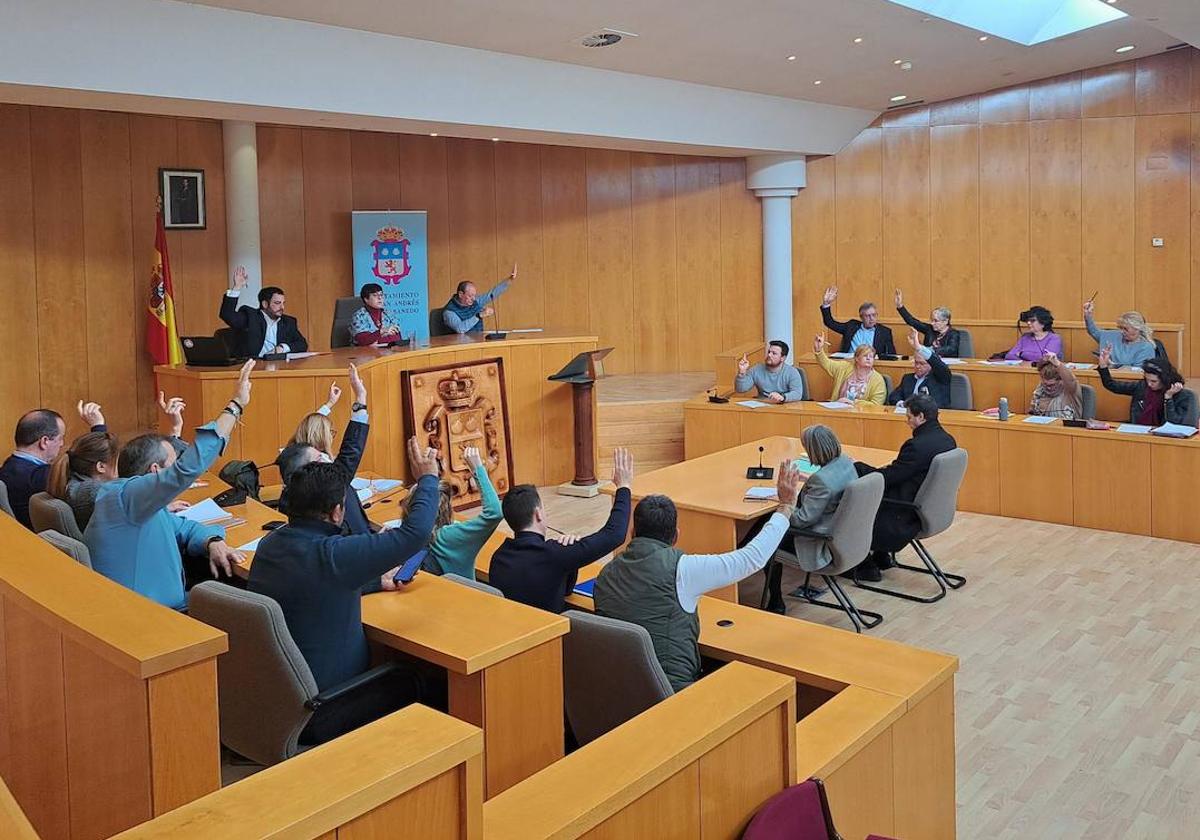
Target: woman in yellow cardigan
[{"x": 856, "y": 381}]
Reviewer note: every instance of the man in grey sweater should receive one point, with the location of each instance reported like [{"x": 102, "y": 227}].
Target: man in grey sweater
[{"x": 775, "y": 380}]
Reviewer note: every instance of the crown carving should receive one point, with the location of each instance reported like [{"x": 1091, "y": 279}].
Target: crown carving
[
  {"x": 456, "y": 392},
  {"x": 391, "y": 233}
]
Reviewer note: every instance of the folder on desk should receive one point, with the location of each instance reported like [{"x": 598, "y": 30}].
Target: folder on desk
[
  {"x": 760, "y": 494},
  {"x": 585, "y": 588},
  {"x": 1174, "y": 430}
]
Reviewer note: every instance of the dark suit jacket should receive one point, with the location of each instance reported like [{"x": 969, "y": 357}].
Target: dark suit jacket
[
  {"x": 24, "y": 478},
  {"x": 847, "y": 329},
  {"x": 251, "y": 328},
  {"x": 947, "y": 345},
  {"x": 903, "y": 477},
  {"x": 349, "y": 455},
  {"x": 937, "y": 383}
]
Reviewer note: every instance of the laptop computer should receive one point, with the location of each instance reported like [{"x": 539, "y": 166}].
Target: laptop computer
[{"x": 207, "y": 351}]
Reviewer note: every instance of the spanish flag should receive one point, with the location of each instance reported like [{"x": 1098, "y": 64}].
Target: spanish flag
[{"x": 162, "y": 336}]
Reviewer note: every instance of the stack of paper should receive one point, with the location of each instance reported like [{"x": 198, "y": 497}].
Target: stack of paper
[
  {"x": 950, "y": 360},
  {"x": 1134, "y": 429},
  {"x": 753, "y": 404},
  {"x": 206, "y": 512},
  {"x": 1174, "y": 430},
  {"x": 250, "y": 546},
  {"x": 1008, "y": 362},
  {"x": 841, "y": 355},
  {"x": 1041, "y": 421},
  {"x": 761, "y": 494},
  {"x": 835, "y": 405}
]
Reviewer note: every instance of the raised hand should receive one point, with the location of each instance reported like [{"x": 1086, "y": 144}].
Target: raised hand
[
  {"x": 914, "y": 339},
  {"x": 335, "y": 394},
  {"x": 1173, "y": 390},
  {"x": 241, "y": 393},
  {"x": 240, "y": 278},
  {"x": 622, "y": 467},
  {"x": 787, "y": 483},
  {"x": 422, "y": 459},
  {"x": 1089, "y": 307},
  {"x": 899, "y": 298},
  {"x": 819, "y": 343},
  {"x": 90, "y": 413},
  {"x": 513, "y": 274},
  {"x": 1051, "y": 357},
  {"x": 471, "y": 456},
  {"x": 743, "y": 365},
  {"x": 173, "y": 408},
  {"x": 830, "y": 296},
  {"x": 487, "y": 312},
  {"x": 1105, "y": 355},
  {"x": 357, "y": 385}
]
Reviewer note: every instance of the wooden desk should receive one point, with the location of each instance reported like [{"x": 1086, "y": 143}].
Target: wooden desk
[
  {"x": 284, "y": 392},
  {"x": 413, "y": 774},
  {"x": 1132, "y": 484},
  {"x": 108, "y": 701}
]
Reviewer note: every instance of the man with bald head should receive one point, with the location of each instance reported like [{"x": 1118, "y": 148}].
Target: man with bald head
[{"x": 464, "y": 313}]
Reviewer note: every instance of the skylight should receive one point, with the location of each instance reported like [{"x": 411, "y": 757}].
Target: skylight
[{"x": 1027, "y": 22}]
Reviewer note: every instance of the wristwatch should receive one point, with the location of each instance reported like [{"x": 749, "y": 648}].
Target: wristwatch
[{"x": 358, "y": 406}]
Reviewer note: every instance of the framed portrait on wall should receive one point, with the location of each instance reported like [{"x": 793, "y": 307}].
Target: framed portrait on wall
[{"x": 182, "y": 193}]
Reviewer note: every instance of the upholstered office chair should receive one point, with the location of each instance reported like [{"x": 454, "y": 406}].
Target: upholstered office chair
[
  {"x": 266, "y": 691},
  {"x": 1194, "y": 416},
  {"x": 960, "y": 392},
  {"x": 610, "y": 674},
  {"x": 228, "y": 336},
  {"x": 343, "y": 312},
  {"x": 4, "y": 503},
  {"x": 1160, "y": 349},
  {"x": 436, "y": 325},
  {"x": 474, "y": 584},
  {"x": 849, "y": 540},
  {"x": 804, "y": 384},
  {"x": 1087, "y": 398},
  {"x": 935, "y": 504},
  {"x": 47, "y": 513},
  {"x": 887, "y": 384},
  {"x": 73, "y": 548},
  {"x": 799, "y": 812},
  {"x": 966, "y": 344}
]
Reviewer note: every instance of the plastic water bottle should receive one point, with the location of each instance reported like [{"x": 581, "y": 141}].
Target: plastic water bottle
[{"x": 1004, "y": 408}]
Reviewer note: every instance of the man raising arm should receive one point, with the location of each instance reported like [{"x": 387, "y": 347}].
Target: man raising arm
[
  {"x": 465, "y": 312},
  {"x": 773, "y": 378},
  {"x": 263, "y": 330}
]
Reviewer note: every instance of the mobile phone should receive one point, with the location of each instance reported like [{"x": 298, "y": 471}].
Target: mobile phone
[
  {"x": 409, "y": 570},
  {"x": 273, "y": 524}
]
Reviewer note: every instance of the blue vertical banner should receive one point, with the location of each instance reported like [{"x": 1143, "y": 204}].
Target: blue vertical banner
[{"x": 391, "y": 249}]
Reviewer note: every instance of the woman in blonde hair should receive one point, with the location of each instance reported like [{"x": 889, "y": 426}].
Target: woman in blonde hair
[
  {"x": 454, "y": 545},
  {"x": 316, "y": 429},
  {"x": 853, "y": 381},
  {"x": 1132, "y": 342}
]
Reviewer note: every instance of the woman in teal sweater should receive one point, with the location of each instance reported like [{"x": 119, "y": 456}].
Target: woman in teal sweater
[{"x": 453, "y": 546}]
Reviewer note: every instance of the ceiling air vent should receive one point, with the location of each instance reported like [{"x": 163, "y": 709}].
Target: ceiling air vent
[
  {"x": 1176, "y": 47},
  {"x": 900, "y": 105},
  {"x": 605, "y": 37}
]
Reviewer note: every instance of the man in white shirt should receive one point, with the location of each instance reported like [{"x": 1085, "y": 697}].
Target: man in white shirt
[
  {"x": 264, "y": 330},
  {"x": 654, "y": 584}
]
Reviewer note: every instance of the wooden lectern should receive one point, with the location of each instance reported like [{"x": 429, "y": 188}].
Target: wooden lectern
[{"x": 582, "y": 372}]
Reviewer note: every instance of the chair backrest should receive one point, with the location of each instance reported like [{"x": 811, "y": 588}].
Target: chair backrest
[
  {"x": 1160, "y": 349},
  {"x": 436, "y": 325},
  {"x": 77, "y": 550},
  {"x": 1087, "y": 399},
  {"x": 966, "y": 344},
  {"x": 960, "y": 392},
  {"x": 263, "y": 681},
  {"x": 343, "y": 311},
  {"x": 850, "y": 531},
  {"x": 610, "y": 674},
  {"x": 1194, "y": 414},
  {"x": 937, "y": 499},
  {"x": 887, "y": 383},
  {"x": 47, "y": 513},
  {"x": 474, "y": 584},
  {"x": 4, "y": 503},
  {"x": 800, "y": 812},
  {"x": 804, "y": 384}
]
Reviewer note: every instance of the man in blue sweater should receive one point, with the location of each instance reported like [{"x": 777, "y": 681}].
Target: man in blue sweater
[
  {"x": 318, "y": 576},
  {"x": 531, "y": 569}
]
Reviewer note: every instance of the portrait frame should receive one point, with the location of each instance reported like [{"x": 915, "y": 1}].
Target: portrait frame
[{"x": 182, "y": 194}]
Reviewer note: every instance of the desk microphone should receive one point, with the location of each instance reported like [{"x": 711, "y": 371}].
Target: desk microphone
[
  {"x": 760, "y": 472},
  {"x": 495, "y": 334}
]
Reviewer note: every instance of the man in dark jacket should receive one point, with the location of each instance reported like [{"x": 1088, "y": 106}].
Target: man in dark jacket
[
  {"x": 930, "y": 376},
  {"x": 895, "y": 526},
  {"x": 319, "y": 575},
  {"x": 263, "y": 330},
  {"x": 531, "y": 569},
  {"x": 866, "y": 329}
]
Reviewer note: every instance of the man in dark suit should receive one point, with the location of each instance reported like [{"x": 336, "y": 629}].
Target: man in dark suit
[
  {"x": 895, "y": 525},
  {"x": 263, "y": 330},
  {"x": 930, "y": 376},
  {"x": 866, "y": 329}
]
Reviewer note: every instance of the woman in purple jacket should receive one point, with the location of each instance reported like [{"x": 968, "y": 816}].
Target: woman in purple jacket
[{"x": 1039, "y": 337}]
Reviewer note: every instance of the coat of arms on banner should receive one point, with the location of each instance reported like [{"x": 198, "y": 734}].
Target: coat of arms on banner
[{"x": 391, "y": 255}]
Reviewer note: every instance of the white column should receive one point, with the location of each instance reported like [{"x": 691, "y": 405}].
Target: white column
[
  {"x": 241, "y": 205},
  {"x": 776, "y": 180}
]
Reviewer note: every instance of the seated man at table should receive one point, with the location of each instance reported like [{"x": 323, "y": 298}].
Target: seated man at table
[
  {"x": 930, "y": 376},
  {"x": 655, "y": 585},
  {"x": 39, "y": 438},
  {"x": 371, "y": 323},
  {"x": 895, "y": 526},
  {"x": 866, "y": 330},
  {"x": 263, "y": 330},
  {"x": 132, "y": 537},
  {"x": 775, "y": 380},
  {"x": 531, "y": 569},
  {"x": 465, "y": 312},
  {"x": 318, "y": 576},
  {"x": 296, "y": 455}
]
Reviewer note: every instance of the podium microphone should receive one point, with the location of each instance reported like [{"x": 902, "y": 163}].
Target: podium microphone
[
  {"x": 760, "y": 472},
  {"x": 495, "y": 334}
]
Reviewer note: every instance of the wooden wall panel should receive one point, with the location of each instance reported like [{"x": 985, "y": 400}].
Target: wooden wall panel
[
  {"x": 1057, "y": 98},
  {"x": 814, "y": 248},
  {"x": 20, "y": 384},
  {"x": 328, "y": 200},
  {"x": 1004, "y": 105},
  {"x": 1055, "y": 227},
  {"x": 471, "y": 170},
  {"x": 741, "y": 256},
  {"x": 954, "y": 219},
  {"x": 204, "y": 273},
  {"x": 859, "y": 224},
  {"x": 610, "y": 253},
  {"x": 564, "y": 203},
  {"x": 1004, "y": 220},
  {"x": 906, "y": 235},
  {"x": 655, "y": 288},
  {"x": 519, "y": 234},
  {"x": 1195, "y": 313},
  {"x": 375, "y": 170},
  {"x": 1108, "y": 214},
  {"x": 423, "y": 186},
  {"x": 1164, "y": 83},
  {"x": 698, "y": 256},
  {"x": 1109, "y": 91},
  {"x": 281, "y": 218}
]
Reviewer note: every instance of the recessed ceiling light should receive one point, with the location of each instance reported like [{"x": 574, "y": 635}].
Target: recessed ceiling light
[
  {"x": 858, "y": 40},
  {"x": 897, "y": 61},
  {"x": 1112, "y": 2},
  {"x": 791, "y": 58},
  {"x": 983, "y": 37},
  {"x": 817, "y": 82},
  {"x": 899, "y": 97},
  {"x": 433, "y": 134},
  {"x": 495, "y": 139},
  {"x": 1125, "y": 48}
]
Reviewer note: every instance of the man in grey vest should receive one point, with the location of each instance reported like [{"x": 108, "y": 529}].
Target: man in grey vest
[{"x": 654, "y": 584}]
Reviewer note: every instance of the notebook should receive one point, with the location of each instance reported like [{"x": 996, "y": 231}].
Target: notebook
[
  {"x": 585, "y": 588},
  {"x": 760, "y": 494},
  {"x": 1174, "y": 430}
]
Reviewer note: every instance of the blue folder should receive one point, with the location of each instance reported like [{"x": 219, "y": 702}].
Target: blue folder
[{"x": 585, "y": 588}]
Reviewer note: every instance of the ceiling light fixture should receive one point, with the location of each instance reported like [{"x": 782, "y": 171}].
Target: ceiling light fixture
[
  {"x": 791, "y": 58},
  {"x": 899, "y": 98},
  {"x": 897, "y": 61},
  {"x": 433, "y": 134},
  {"x": 1125, "y": 48},
  {"x": 858, "y": 40},
  {"x": 983, "y": 37},
  {"x": 817, "y": 82}
]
